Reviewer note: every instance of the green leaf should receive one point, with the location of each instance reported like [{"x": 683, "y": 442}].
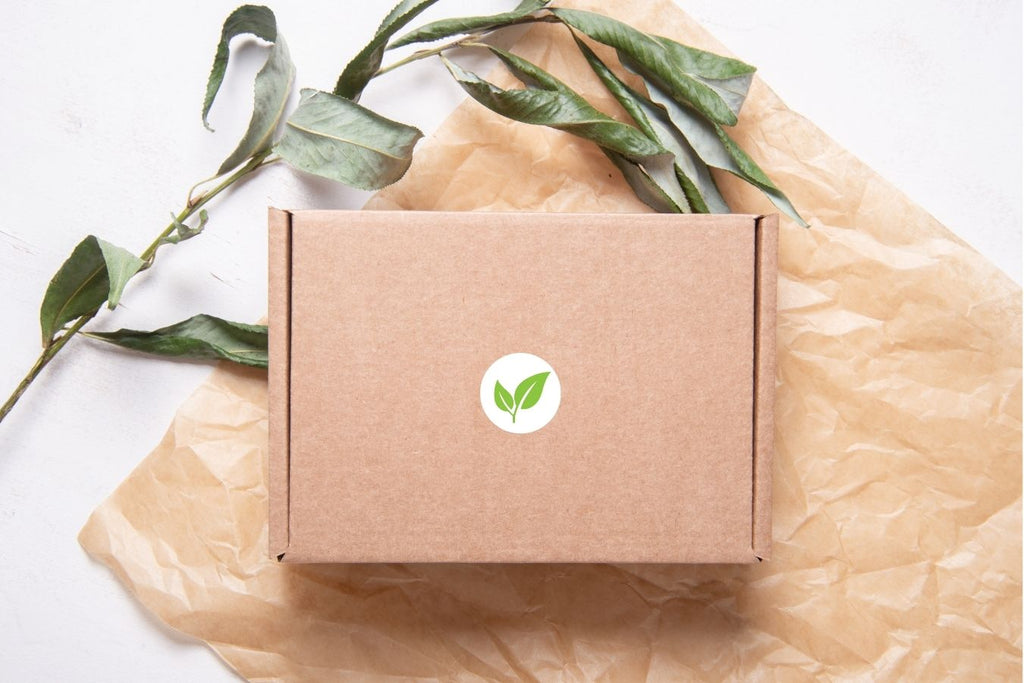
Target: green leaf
[
  {"x": 716, "y": 149},
  {"x": 687, "y": 180},
  {"x": 551, "y": 103},
  {"x": 654, "y": 192},
  {"x": 336, "y": 138},
  {"x": 503, "y": 399},
  {"x": 451, "y": 27},
  {"x": 364, "y": 65},
  {"x": 201, "y": 337},
  {"x": 715, "y": 85},
  {"x": 272, "y": 89},
  {"x": 121, "y": 266},
  {"x": 79, "y": 287},
  {"x": 96, "y": 271},
  {"x": 183, "y": 232},
  {"x": 730, "y": 78},
  {"x": 529, "y": 390},
  {"x": 254, "y": 19}
]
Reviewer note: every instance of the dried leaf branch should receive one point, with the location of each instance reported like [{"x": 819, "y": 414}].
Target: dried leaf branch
[{"x": 677, "y": 135}]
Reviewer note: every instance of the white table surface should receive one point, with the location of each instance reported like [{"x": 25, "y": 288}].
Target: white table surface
[{"x": 102, "y": 135}]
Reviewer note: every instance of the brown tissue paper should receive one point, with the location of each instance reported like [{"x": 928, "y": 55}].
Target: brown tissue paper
[{"x": 897, "y": 526}]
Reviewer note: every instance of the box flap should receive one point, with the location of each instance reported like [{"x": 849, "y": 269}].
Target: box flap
[
  {"x": 766, "y": 254},
  {"x": 279, "y": 312}
]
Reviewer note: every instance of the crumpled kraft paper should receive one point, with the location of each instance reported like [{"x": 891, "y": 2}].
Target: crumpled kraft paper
[{"x": 897, "y": 488}]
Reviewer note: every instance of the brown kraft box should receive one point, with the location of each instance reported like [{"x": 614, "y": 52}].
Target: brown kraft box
[{"x": 659, "y": 333}]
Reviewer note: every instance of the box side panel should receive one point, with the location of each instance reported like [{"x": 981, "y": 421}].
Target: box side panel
[
  {"x": 279, "y": 302},
  {"x": 766, "y": 283}
]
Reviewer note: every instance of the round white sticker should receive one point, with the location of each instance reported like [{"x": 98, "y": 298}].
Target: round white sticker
[{"x": 520, "y": 393}]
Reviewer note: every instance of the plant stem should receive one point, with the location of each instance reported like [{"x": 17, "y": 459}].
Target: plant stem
[
  {"x": 465, "y": 41},
  {"x": 194, "y": 205},
  {"x": 423, "y": 54},
  {"x": 54, "y": 347},
  {"x": 44, "y": 358}
]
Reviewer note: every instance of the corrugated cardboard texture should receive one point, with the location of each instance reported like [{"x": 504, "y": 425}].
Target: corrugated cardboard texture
[
  {"x": 649, "y": 321},
  {"x": 896, "y": 548}
]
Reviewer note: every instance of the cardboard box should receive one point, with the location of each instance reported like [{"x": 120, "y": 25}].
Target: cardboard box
[{"x": 388, "y": 442}]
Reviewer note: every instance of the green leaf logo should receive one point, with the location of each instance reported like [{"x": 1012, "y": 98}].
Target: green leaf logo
[
  {"x": 503, "y": 400},
  {"x": 526, "y": 395}
]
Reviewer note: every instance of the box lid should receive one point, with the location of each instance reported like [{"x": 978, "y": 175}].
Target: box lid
[{"x": 658, "y": 330}]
